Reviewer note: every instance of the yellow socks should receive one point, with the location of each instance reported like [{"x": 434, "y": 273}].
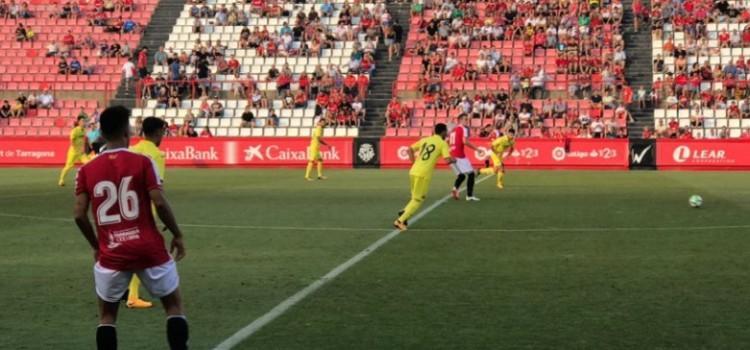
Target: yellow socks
[
  {"x": 135, "y": 284},
  {"x": 501, "y": 179},
  {"x": 410, "y": 209},
  {"x": 320, "y": 169},
  {"x": 308, "y": 172}
]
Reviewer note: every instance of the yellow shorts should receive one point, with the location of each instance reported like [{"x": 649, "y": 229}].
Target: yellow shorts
[
  {"x": 76, "y": 157},
  {"x": 419, "y": 187},
  {"x": 496, "y": 160},
  {"x": 314, "y": 155}
]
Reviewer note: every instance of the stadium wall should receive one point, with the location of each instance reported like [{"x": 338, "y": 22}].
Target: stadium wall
[{"x": 390, "y": 152}]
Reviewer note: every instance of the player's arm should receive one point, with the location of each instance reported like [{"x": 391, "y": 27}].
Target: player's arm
[
  {"x": 80, "y": 213},
  {"x": 445, "y": 152},
  {"x": 164, "y": 211},
  {"x": 320, "y": 139}
]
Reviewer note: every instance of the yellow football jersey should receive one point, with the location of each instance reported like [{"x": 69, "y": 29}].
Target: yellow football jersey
[
  {"x": 429, "y": 149},
  {"x": 315, "y": 138},
  {"x": 502, "y": 144},
  {"x": 149, "y": 149},
  {"x": 78, "y": 139}
]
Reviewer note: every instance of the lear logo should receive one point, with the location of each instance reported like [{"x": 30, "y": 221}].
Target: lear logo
[
  {"x": 252, "y": 152},
  {"x": 403, "y": 153},
  {"x": 558, "y": 153},
  {"x": 684, "y": 153},
  {"x": 366, "y": 152},
  {"x": 638, "y": 158}
]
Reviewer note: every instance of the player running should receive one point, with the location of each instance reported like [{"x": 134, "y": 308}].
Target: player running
[
  {"x": 424, "y": 155},
  {"x": 153, "y": 131},
  {"x": 77, "y": 149},
  {"x": 501, "y": 148},
  {"x": 459, "y": 140},
  {"x": 314, "y": 157},
  {"x": 121, "y": 186}
]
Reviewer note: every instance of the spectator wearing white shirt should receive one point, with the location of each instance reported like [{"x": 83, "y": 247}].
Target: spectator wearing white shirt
[
  {"x": 45, "y": 99},
  {"x": 128, "y": 72},
  {"x": 597, "y": 129}
]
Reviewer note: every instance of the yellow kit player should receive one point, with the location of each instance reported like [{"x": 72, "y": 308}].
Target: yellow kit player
[
  {"x": 424, "y": 154},
  {"x": 314, "y": 157},
  {"x": 153, "y": 131},
  {"x": 501, "y": 147},
  {"x": 77, "y": 149}
]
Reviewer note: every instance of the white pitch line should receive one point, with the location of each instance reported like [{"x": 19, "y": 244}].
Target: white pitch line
[{"x": 289, "y": 302}]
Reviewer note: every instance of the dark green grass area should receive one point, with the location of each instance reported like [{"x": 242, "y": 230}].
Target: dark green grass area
[{"x": 558, "y": 260}]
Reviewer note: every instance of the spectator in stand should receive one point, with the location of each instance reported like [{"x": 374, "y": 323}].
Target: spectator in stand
[
  {"x": 75, "y": 67},
  {"x": 62, "y": 66},
  {"x": 395, "y": 115},
  {"x": 45, "y": 99},
  {"x": 142, "y": 62},
  {"x": 128, "y": 72},
  {"x": 206, "y": 132},
  {"x": 272, "y": 120},
  {"x": 52, "y": 49},
  {"x": 5, "y": 110},
  {"x": 248, "y": 118},
  {"x": 160, "y": 57},
  {"x": 129, "y": 26},
  {"x": 21, "y": 33},
  {"x": 217, "y": 109},
  {"x": 69, "y": 42}
]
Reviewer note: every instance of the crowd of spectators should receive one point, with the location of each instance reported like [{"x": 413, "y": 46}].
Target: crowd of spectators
[
  {"x": 20, "y": 106},
  {"x": 583, "y": 37},
  {"x": 338, "y": 92}
]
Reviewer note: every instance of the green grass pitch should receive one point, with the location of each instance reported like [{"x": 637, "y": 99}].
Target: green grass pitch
[{"x": 558, "y": 260}]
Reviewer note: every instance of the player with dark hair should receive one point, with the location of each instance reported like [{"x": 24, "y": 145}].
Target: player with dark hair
[
  {"x": 77, "y": 150},
  {"x": 153, "y": 130},
  {"x": 121, "y": 186},
  {"x": 501, "y": 148},
  {"x": 424, "y": 154},
  {"x": 459, "y": 140}
]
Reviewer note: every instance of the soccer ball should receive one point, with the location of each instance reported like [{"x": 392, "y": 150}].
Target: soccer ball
[{"x": 696, "y": 201}]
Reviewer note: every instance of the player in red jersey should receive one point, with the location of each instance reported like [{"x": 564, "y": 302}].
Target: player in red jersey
[
  {"x": 120, "y": 185},
  {"x": 459, "y": 140}
]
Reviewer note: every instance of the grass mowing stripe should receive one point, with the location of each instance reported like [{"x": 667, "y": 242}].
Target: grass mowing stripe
[
  {"x": 289, "y": 302},
  {"x": 372, "y": 229}
]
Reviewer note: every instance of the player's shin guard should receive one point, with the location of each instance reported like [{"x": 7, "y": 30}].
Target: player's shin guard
[
  {"x": 320, "y": 169},
  {"x": 106, "y": 337},
  {"x": 135, "y": 284},
  {"x": 308, "y": 172},
  {"x": 470, "y": 185},
  {"x": 459, "y": 181},
  {"x": 177, "y": 332}
]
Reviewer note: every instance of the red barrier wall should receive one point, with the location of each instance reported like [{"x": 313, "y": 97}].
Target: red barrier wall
[
  {"x": 41, "y": 151},
  {"x": 703, "y": 154},
  {"x": 532, "y": 153}
]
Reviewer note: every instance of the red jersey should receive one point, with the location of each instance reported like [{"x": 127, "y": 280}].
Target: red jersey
[
  {"x": 117, "y": 182},
  {"x": 458, "y": 140}
]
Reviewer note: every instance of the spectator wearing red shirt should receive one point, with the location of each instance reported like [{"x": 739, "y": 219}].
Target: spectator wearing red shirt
[
  {"x": 142, "y": 63},
  {"x": 350, "y": 85},
  {"x": 674, "y": 127},
  {"x": 745, "y": 134},
  {"x": 321, "y": 103},
  {"x": 362, "y": 83},
  {"x": 724, "y": 38},
  {"x": 394, "y": 114},
  {"x": 234, "y": 66},
  {"x": 647, "y": 134},
  {"x": 284, "y": 82},
  {"x": 206, "y": 133}
]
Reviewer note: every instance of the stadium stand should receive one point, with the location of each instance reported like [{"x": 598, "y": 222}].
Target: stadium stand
[
  {"x": 28, "y": 116},
  {"x": 551, "y": 71},
  {"x": 264, "y": 69},
  {"x": 69, "y": 46},
  {"x": 700, "y": 69}
]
